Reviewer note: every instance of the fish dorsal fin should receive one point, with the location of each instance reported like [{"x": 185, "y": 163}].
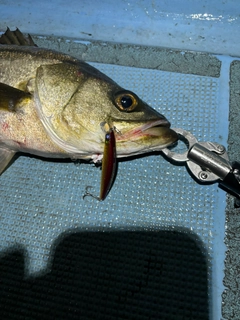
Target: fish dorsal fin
[
  {"x": 16, "y": 38},
  {"x": 10, "y": 97},
  {"x": 6, "y": 156}
]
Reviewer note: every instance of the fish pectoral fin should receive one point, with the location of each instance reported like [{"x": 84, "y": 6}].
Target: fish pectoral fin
[
  {"x": 6, "y": 156},
  {"x": 10, "y": 97},
  {"x": 16, "y": 38}
]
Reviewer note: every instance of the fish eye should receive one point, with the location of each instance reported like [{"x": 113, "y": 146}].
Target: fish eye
[{"x": 125, "y": 100}]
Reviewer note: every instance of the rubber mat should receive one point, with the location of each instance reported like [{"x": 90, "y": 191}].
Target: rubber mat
[{"x": 44, "y": 216}]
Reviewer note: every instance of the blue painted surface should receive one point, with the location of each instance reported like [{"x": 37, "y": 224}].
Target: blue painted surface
[{"x": 210, "y": 26}]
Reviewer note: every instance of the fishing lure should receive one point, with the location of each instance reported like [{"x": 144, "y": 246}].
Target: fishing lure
[{"x": 109, "y": 166}]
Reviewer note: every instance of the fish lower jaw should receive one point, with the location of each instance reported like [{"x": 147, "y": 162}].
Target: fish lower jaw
[
  {"x": 131, "y": 153},
  {"x": 164, "y": 134},
  {"x": 149, "y": 129}
]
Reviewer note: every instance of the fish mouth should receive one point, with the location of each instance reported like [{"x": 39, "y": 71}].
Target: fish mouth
[{"x": 151, "y": 129}]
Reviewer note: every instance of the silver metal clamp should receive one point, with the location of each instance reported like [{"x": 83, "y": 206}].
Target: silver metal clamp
[{"x": 208, "y": 162}]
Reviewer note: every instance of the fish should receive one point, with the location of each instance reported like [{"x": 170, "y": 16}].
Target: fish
[{"x": 56, "y": 106}]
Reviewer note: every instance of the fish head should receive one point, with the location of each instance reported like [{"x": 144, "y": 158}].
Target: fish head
[
  {"x": 138, "y": 127},
  {"x": 76, "y": 102}
]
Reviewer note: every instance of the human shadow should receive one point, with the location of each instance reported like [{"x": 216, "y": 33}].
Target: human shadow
[{"x": 111, "y": 275}]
